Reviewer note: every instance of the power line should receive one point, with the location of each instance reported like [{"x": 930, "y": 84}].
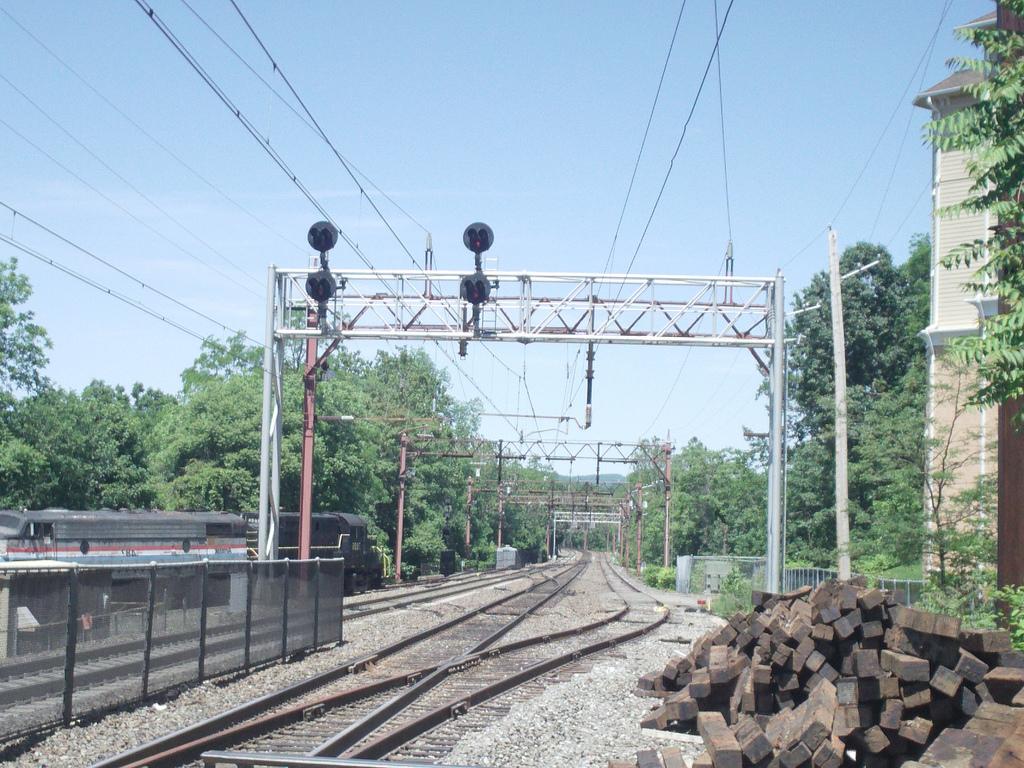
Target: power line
[
  {"x": 100, "y": 287},
  {"x": 155, "y": 141},
  {"x": 643, "y": 142},
  {"x": 881, "y": 136},
  {"x": 679, "y": 144},
  {"x": 910, "y": 119},
  {"x": 117, "y": 205},
  {"x": 131, "y": 186},
  {"x": 124, "y": 273},
  {"x": 671, "y": 392}
]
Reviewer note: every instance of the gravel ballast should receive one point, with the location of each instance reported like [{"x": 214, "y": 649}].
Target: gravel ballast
[{"x": 590, "y": 718}]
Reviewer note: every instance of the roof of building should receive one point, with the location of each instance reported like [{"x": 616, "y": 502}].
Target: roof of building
[
  {"x": 951, "y": 85},
  {"x": 988, "y": 20}
]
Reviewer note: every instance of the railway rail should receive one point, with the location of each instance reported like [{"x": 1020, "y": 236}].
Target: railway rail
[
  {"x": 30, "y": 688},
  {"x": 398, "y": 702}
]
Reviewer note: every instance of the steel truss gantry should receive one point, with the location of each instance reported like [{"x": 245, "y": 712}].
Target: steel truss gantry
[{"x": 546, "y": 307}]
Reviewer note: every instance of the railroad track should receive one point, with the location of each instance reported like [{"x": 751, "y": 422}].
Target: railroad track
[
  {"x": 417, "y": 654},
  {"x": 392, "y": 709},
  {"x": 30, "y": 689}
]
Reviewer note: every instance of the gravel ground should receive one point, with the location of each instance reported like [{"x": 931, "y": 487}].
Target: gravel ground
[
  {"x": 81, "y": 746},
  {"x": 591, "y": 718}
]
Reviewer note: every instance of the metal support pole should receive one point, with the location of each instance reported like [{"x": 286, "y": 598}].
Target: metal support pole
[
  {"x": 403, "y": 443},
  {"x": 639, "y": 523},
  {"x": 341, "y": 605},
  {"x": 588, "y": 412},
  {"x": 248, "y": 613},
  {"x": 308, "y": 433},
  {"x": 501, "y": 514},
  {"x": 469, "y": 510},
  {"x": 554, "y": 537},
  {"x": 316, "y": 602},
  {"x": 147, "y": 651},
  {"x": 777, "y": 436},
  {"x": 71, "y": 647},
  {"x": 284, "y": 612},
  {"x": 268, "y": 367},
  {"x": 204, "y": 605},
  {"x": 667, "y": 448}
]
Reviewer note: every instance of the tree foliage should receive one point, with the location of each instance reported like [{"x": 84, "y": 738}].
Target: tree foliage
[
  {"x": 991, "y": 131},
  {"x": 23, "y": 343}
]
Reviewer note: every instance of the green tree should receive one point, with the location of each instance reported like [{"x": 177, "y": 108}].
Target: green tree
[
  {"x": 23, "y": 343},
  {"x": 991, "y": 131}
]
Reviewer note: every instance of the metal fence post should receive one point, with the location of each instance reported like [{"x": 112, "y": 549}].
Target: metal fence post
[
  {"x": 316, "y": 601},
  {"x": 284, "y": 622},
  {"x": 248, "y": 613},
  {"x": 71, "y": 647},
  {"x": 204, "y": 603},
  {"x": 341, "y": 604},
  {"x": 148, "y": 649}
]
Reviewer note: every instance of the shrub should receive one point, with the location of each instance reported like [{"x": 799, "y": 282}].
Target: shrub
[
  {"x": 735, "y": 595},
  {"x": 661, "y": 578}
]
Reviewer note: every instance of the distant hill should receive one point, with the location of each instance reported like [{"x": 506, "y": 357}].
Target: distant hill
[{"x": 606, "y": 479}]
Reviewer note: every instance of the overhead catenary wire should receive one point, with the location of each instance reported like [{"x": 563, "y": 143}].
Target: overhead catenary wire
[
  {"x": 643, "y": 142},
  {"x": 679, "y": 144},
  {"x": 721, "y": 123},
  {"x": 323, "y": 135},
  {"x": 149, "y": 136},
  {"x": 301, "y": 117}
]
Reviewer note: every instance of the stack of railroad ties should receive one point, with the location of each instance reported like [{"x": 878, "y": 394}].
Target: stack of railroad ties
[{"x": 837, "y": 676}]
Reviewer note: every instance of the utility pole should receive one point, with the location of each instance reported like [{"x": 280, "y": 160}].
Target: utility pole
[
  {"x": 469, "y": 508},
  {"x": 403, "y": 443},
  {"x": 308, "y": 431},
  {"x": 839, "y": 357},
  {"x": 639, "y": 523},
  {"x": 501, "y": 492},
  {"x": 667, "y": 448}
]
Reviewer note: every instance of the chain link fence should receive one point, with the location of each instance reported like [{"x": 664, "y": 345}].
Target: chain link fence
[
  {"x": 76, "y": 641},
  {"x": 707, "y": 574}
]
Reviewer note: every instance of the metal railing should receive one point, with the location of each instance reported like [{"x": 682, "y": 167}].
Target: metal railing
[
  {"x": 907, "y": 591},
  {"x": 75, "y": 641}
]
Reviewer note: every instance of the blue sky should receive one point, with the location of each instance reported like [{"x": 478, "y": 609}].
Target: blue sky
[{"x": 525, "y": 115}]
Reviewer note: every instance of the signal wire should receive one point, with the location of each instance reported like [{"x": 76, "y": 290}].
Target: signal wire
[{"x": 679, "y": 144}]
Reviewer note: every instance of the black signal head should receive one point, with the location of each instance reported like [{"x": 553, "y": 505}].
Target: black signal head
[
  {"x": 478, "y": 237},
  {"x": 323, "y": 236}
]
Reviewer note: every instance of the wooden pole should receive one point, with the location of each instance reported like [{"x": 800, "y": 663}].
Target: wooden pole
[
  {"x": 400, "y": 527},
  {"x": 667, "y": 448},
  {"x": 839, "y": 358}
]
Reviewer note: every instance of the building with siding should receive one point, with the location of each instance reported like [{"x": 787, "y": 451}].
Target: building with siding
[{"x": 962, "y": 440}]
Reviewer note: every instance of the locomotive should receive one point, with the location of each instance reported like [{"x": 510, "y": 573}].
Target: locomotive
[
  {"x": 333, "y": 534},
  {"x": 108, "y": 537}
]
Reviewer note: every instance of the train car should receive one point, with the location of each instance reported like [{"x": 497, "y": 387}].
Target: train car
[
  {"x": 109, "y": 537},
  {"x": 334, "y": 534}
]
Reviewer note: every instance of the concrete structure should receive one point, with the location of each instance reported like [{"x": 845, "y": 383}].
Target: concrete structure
[{"x": 963, "y": 439}]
